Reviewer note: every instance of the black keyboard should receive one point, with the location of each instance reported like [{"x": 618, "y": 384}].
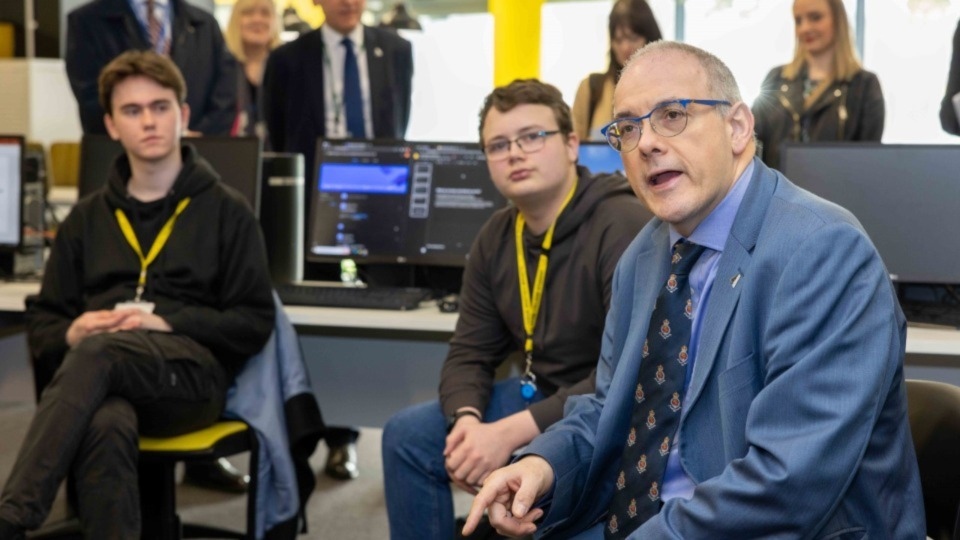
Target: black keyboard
[
  {"x": 936, "y": 314},
  {"x": 399, "y": 298}
]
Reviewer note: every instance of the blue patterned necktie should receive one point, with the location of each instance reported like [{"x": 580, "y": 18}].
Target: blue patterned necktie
[
  {"x": 658, "y": 396},
  {"x": 352, "y": 97}
]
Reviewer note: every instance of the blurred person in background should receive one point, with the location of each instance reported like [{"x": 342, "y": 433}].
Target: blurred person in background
[
  {"x": 824, "y": 94},
  {"x": 342, "y": 80},
  {"x": 949, "y": 108},
  {"x": 631, "y": 26},
  {"x": 252, "y": 32},
  {"x": 100, "y": 30}
]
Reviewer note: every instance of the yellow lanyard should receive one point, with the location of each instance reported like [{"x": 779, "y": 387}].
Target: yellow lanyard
[
  {"x": 157, "y": 246},
  {"x": 530, "y": 304}
]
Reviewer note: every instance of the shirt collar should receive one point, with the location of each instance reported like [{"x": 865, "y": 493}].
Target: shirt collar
[
  {"x": 140, "y": 6},
  {"x": 713, "y": 231},
  {"x": 332, "y": 38}
]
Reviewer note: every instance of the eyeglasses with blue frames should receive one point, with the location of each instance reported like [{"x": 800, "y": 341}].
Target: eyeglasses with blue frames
[
  {"x": 499, "y": 149},
  {"x": 668, "y": 119}
]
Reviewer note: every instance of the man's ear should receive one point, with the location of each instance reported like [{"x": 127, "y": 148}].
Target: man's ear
[
  {"x": 573, "y": 146},
  {"x": 111, "y": 127},
  {"x": 740, "y": 126},
  {"x": 185, "y": 116}
]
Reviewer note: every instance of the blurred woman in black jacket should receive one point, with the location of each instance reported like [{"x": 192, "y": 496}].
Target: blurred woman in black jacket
[
  {"x": 252, "y": 32},
  {"x": 948, "y": 111},
  {"x": 824, "y": 94}
]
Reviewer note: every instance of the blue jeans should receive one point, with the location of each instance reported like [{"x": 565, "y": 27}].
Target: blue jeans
[{"x": 416, "y": 484}]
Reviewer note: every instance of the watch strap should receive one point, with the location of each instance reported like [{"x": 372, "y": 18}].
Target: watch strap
[{"x": 452, "y": 419}]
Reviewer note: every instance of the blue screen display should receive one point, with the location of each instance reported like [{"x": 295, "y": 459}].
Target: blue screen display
[
  {"x": 599, "y": 157},
  {"x": 364, "y": 178}
]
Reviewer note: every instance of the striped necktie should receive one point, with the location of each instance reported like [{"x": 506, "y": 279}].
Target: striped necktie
[{"x": 155, "y": 28}]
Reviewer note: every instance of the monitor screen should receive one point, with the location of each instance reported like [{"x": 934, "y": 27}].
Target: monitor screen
[
  {"x": 398, "y": 202},
  {"x": 11, "y": 190},
  {"x": 599, "y": 157},
  {"x": 236, "y": 160},
  {"x": 906, "y": 196}
]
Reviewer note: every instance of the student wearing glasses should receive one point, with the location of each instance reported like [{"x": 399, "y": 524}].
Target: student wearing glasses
[
  {"x": 537, "y": 285},
  {"x": 750, "y": 382},
  {"x": 824, "y": 94}
]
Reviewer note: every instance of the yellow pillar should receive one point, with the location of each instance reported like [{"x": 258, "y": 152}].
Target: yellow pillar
[{"x": 516, "y": 39}]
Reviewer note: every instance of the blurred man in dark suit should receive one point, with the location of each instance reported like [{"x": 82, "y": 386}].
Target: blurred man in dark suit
[
  {"x": 99, "y": 31},
  {"x": 343, "y": 80}
]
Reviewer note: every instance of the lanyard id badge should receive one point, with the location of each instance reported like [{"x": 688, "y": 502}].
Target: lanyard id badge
[
  {"x": 146, "y": 261},
  {"x": 146, "y": 307},
  {"x": 530, "y": 303}
]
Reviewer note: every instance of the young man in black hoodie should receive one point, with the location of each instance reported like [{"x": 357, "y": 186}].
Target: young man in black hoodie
[
  {"x": 156, "y": 293},
  {"x": 537, "y": 282}
]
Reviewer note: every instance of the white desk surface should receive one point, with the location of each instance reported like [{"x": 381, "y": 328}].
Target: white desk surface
[
  {"x": 936, "y": 341},
  {"x": 427, "y": 318}
]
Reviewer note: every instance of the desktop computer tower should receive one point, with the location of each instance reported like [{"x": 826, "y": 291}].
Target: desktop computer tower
[
  {"x": 282, "y": 214},
  {"x": 27, "y": 260}
]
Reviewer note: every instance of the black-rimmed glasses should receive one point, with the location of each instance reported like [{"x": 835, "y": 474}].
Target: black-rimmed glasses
[
  {"x": 668, "y": 119},
  {"x": 499, "y": 149}
]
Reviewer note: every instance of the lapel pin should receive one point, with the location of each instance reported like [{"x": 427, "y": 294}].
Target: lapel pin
[
  {"x": 734, "y": 280},
  {"x": 378, "y": 52}
]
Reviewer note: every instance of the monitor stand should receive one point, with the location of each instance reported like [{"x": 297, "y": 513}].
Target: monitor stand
[{"x": 441, "y": 280}]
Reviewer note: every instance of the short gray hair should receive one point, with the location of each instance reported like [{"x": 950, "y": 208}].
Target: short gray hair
[{"x": 720, "y": 79}]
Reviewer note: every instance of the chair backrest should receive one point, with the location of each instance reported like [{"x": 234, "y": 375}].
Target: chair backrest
[
  {"x": 934, "y": 410},
  {"x": 65, "y": 163}
]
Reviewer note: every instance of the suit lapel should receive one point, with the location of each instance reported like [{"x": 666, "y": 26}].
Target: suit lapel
[
  {"x": 646, "y": 288},
  {"x": 376, "y": 73},
  {"x": 315, "y": 65},
  {"x": 121, "y": 11},
  {"x": 630, "y": 332},
  {"x": 179, "y": 28},
  {"x": 733, "y": 274}
]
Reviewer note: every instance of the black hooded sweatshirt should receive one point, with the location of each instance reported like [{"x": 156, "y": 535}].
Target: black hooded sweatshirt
[
  {"x": 210, "y": 282},
  {"x": 590, "y": 236}
]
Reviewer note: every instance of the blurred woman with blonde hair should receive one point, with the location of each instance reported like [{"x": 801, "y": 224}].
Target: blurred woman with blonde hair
[
  {"x": 252, "y": 32},
  {"x": 824, "y": 94}
]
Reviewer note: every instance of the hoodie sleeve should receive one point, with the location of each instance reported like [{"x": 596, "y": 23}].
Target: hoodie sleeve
[
  {"x": 60, "y": 301},
  {"x": 619, "y": 219},
  {"x": 242, "y": 322},
  {"x": 481, "y": 340}
]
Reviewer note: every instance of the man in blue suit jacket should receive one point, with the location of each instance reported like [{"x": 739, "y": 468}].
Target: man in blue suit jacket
[{"x": 794, "y": 420}]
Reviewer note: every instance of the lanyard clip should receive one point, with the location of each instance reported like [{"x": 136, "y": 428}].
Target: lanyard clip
[{"x": 528, "y": 381}]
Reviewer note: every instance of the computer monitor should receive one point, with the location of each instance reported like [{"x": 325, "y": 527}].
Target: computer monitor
[
  {"x": 12, "y": 194},
  {"x": 236, "y": 160},
  {"x": 906, "y": 196},
  {"x": 599, "y": 157},
  {"x": 400, "y": 202},
  {"x": 11, "y": 191}
]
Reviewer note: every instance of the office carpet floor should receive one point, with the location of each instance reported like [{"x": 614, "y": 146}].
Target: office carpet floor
[{"x": 337, "y": 510}]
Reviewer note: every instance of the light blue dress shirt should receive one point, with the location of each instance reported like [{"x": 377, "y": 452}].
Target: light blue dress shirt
[{"x": 712, "y": 233}]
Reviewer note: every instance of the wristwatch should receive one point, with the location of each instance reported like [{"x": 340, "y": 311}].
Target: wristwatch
[{"x": 452, "y": 419}]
